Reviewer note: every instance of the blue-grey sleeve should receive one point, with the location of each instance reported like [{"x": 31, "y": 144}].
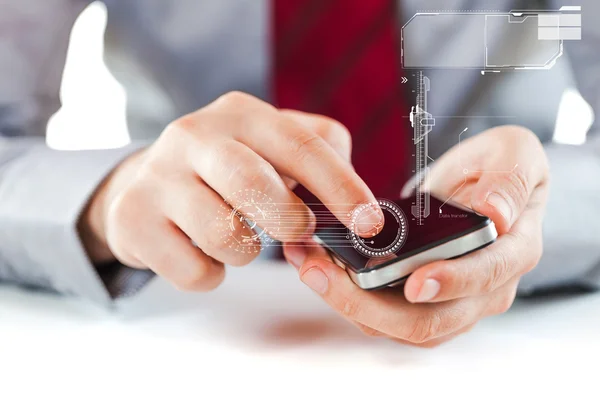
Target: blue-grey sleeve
[
  {"x": 43, "y": 191},
  {"x": 572, "y": 223}
]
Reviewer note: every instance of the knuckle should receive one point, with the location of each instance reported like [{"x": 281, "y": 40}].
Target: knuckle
[
  {"x": 126, "y": 209},
  {"x": 155, "y": 169},
  {"x": 223, "y": 249},
  {"x": 182, "y": 125},
  {"x": 520, "y": 133},
  {"x": 500, "y": 264},
  {"x": 529, "y": 246},
  {"x": 349, "y": 308},
  {"x": 336, "y": 134},
  {"x": 530, "y": 266},
  {"x": 260, "y": 176},
  {"x": 168, "y": 155},
  {"x": 504, "y": 304},
  {"x": 195, "y": 280},
  {"x": 248, "y": 172},
  {"x": 454, "y": 319},
  {"x": 228, "y": 150},
  {"x": 532, "y": 248},
  {"x": 122, "y": 223},
  {"x": 425, "y": 328},
  {"x": 170, "y": 265},
  {"x": 235, "y": 99},
  {"x": 453, "y": 277},
  {"x": 517, "y": 185},
  {"x": 533, "y": 140},
  {"x": 536, "y": 150},
  {"x": 211, "y": 244},
  {"x": 304, "y": 143},
  {"x": 257, "y": 176},
  {"x": 519, "y": 136},
  {"x": 121, "y": 208},
  {"x": 189, "y": 132},
  {"x": 343, "y": 186}
]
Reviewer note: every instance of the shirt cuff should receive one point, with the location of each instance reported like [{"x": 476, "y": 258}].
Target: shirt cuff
[{"x": 43, "y": 195}]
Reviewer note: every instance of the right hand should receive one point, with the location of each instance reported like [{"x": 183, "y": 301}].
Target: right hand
[{"x": 162, "y": 198}]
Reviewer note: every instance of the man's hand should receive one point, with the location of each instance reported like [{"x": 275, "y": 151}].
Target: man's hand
[
  {"x": 507, "y": 180},
  {"x": 160, "y": 200}
]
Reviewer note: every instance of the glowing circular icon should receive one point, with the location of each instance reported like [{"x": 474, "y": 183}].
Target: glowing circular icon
[
  {"x": 389, "y": 237},
  {"x": 256, "y": 211}
]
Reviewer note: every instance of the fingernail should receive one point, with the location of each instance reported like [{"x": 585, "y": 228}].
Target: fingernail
[
  {"x": 501, "y": 205},
  {"x": 315, "y": 279},
  {"x": 428, "y": 291},
  {"x": 295, "y": 254},
  {"x": 370, "y": 222}
]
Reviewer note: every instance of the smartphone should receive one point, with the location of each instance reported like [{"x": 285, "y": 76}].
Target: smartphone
[{"x": 450, "y": 231}]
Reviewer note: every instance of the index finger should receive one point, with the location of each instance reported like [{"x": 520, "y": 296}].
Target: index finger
[{"x": 298, "y": 152}]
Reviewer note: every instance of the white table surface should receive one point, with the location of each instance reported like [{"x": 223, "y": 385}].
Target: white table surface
[{"x": 263, "y": 332}]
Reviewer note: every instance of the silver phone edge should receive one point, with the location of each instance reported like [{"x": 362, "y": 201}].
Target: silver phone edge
[{"x": 392, "y": 273}]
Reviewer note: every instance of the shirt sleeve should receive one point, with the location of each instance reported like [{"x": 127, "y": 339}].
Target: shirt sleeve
[
  {"x": 42, "y": 194},
  {"x": 572, "y": 223},
  {"x": 43, "y": 191}
]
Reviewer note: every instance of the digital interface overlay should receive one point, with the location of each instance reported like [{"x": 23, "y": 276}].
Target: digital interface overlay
[{"x": 546, "y": 31}]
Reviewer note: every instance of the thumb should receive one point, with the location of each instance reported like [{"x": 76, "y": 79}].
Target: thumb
[{"x": 502, "y": 196}]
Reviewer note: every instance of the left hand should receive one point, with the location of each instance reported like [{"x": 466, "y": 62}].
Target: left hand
[{"x": 507, "y": 181}]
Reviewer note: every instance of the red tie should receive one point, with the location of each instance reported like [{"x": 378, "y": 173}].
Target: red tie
[{"x": 340, "y": 58}]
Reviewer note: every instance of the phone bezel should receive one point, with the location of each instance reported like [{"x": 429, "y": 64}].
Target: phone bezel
[
  {"x": 396, "y": 272},
  {"x": 484, "y": 223}
]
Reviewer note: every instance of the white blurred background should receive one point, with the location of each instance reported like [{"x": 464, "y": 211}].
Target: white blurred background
[
  {"x": 93, "y": 112},
  {"x": 94, "y": 103}
]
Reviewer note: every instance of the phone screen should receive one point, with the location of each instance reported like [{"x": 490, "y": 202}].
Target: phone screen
[{"x": 439, "y": 227}]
